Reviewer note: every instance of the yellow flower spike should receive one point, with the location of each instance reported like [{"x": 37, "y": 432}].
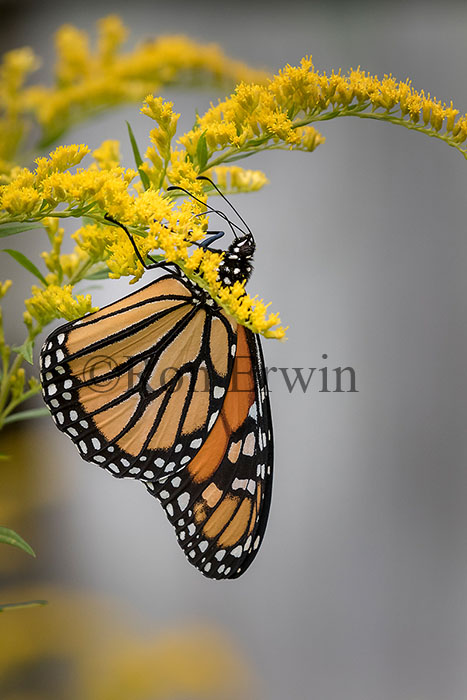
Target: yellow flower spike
[
  {"x": 152, "y": 155},
  {"x": 182, "y": 172},
  {"x": 4, "y": 287},
  {"x": 161, "y": 112},
  {"x": 63, "y": 158},
  {"x": 451, "y": 115},
  {"x": 16, "y": 65},
  {"x": 235, "y": 179},
  {"x": 21, "y": 202},
  {"x": 57, "y": 302},
  {"x": 112, "y": 33},
  {"x": 73, "y": 55},
  {"x": 17, "y": 382},
  {"x": 309, "y": 138},
  {"x": 108, "y": 154},
  {"x": 28, "y": 320},
  {"x": 71, "y": 263}
]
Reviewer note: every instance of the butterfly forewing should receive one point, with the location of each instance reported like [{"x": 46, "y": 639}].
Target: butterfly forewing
[
  {"x": 219, "y": 504},
  {"x": 139, "y": 384}
]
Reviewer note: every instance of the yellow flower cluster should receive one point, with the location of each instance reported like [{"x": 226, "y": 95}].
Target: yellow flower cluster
[
  {"x": 15, "y": 67},
  {"x": 156, "y": 221},
  {"x": 161, "y": 137},
  {"x": 260, "y": 116},
  {"x": 90, "y": 79},
  {"x": 4, "y": 287},
  {"x": 53, "y": 301},
  {"x": 108, "y": 654},
  {"x": 232, "y": 179},
  {"x": 257, "y": 116}
]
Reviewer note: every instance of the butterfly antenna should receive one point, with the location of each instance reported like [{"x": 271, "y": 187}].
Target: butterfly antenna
[
  {"x": 208, "y": 207},
  {"x": 203, "y": 177}
]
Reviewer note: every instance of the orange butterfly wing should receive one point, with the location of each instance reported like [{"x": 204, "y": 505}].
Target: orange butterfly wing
[
  {"x": 138, "y": 385},
  {"x": 219, "y": 504}
]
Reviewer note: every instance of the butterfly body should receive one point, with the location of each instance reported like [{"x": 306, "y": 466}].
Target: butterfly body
[
  {"x": 237, "y": 263},
  {"x": 164, "y": 387}
]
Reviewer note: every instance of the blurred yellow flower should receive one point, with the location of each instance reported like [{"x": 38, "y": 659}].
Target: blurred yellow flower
[{"x": 82, "y": 646}]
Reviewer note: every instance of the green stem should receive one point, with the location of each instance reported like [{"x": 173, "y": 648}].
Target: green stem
[
  {"x": 6, "y": 378},
  {"x": 13, "y": 404}
]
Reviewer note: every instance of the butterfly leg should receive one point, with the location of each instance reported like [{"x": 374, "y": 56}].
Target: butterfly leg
[{"x": 154, "y": 263}]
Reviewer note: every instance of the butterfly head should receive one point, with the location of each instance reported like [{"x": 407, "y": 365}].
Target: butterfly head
[{"x": 237, "y": 263}]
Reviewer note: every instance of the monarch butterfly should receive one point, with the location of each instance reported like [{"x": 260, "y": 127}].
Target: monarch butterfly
[{"x": 164, "y": 387}]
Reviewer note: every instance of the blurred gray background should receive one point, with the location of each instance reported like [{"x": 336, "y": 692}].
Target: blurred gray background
[{"x": 359, "y": 592}]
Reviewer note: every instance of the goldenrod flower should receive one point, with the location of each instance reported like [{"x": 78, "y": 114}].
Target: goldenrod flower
[
  {"x": 107, "y": 155},
  {"x": 89, "y": 79},
  {"x": 57, "y": 302},
  {"x": 4, "y": 287}
]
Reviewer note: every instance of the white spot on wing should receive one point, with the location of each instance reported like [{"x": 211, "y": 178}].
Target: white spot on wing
[
  {"x": 212, "y": 420},
  {"x": 239, "y": 484},
  {"x": 183, "y": 500},
  {"x": 251, "y": 486},
  {"x": 249, "y": 445}
]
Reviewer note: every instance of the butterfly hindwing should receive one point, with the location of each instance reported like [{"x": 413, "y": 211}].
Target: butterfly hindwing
[
  {"x": 139, "y": 384},
  {"x": 219, "y": 503}
]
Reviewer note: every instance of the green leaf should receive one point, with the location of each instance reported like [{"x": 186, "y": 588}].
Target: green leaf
[
  {"x": 14, "y": 227},
  {"x": 98, "y": 275},
  {"x": 26, "y": 263},
  {"x": 26, "y": 350},
  {"x": 26, "y": 415},
  {"x": 202, "y": 151},
  {"x": 8, "y": 536},
  {"x": 27, "y": 604},
  {"x": 137, "y": 157},
  {"x": 4, "y": 457}
]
